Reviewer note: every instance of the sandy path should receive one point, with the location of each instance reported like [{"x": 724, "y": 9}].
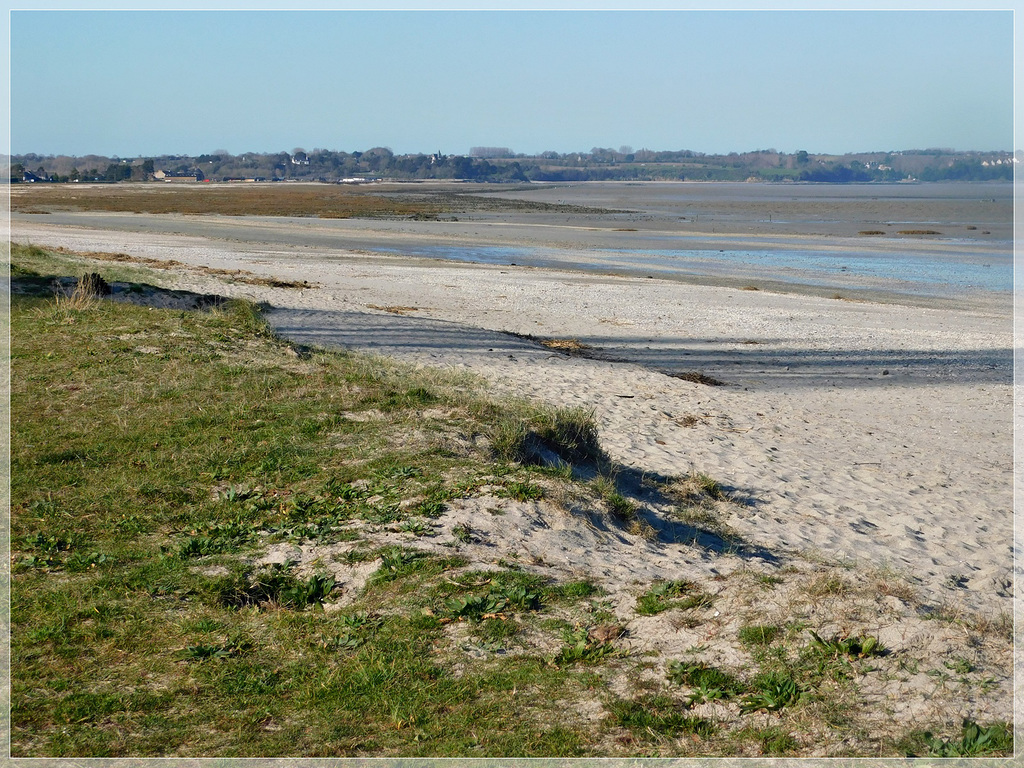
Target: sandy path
[{"x": 871, "y": 433}]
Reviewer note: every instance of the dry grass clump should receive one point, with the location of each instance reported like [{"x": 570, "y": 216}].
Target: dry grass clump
[
  {"x": 894, "y": 585},
  {"x": 696, "y": 378},
  {"x": 235, "y": 275},
  {"x": 395, "y": 309},
  {"x": 568, "y": 346},
  {"x": 79, "y": 300},
  {"x": 554, "y": 437},
  {"x": 698, "y": 488}
]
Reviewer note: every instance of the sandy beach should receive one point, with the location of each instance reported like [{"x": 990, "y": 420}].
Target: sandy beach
[{"x": 868, "y": 433}]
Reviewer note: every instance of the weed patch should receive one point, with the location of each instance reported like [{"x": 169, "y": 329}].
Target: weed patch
[
  {"x": 658, "y": 716},
  {"x": 759, "y": 634},
  {"x": 771, "y": 691},
  {"x": 706, "y": 683},
  {"x": 853, "y": 647},
  {"x": 974, "y": 741},
  {"x": 274, "y": 585},
  {"x": 579, "y": 648},
  {"x": 664, "y": 595}
]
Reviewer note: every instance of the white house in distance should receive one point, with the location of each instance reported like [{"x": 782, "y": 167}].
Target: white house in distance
[{"x": 176, "y": 177}]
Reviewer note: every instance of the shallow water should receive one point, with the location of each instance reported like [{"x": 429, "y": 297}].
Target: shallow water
[
  {"x": 812, "y": 235},
  {"x": 771, "y": 236},
  {"x": 925, "y": 274}
]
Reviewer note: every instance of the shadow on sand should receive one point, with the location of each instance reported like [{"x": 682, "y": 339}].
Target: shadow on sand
[{"x": 711, "y": 361}]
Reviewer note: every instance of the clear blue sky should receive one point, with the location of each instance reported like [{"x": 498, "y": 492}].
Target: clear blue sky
[{"x": 161, "y": 82}]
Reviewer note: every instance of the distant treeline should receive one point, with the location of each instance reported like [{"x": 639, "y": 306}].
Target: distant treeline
[{"x": 500, "y": 165}]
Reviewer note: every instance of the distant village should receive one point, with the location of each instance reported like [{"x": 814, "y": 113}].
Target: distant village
[{"x": 502, "y": 165}]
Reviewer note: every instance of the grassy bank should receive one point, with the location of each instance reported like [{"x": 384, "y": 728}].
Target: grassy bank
[
  {"x": 217, "y": 550},
  {"x": 325, "y": 201}
]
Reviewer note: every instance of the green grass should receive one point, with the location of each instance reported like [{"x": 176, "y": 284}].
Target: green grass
[
  {"x": 650, "y": 717},
  {"x": 759, "y": 634},
  {"x": 133, "y": 472},
  {"x": 665, "y": 595},
  {"x": 974, "y": 741},
  {"x": 566, "y": 436},
  {"x": 706, "y": 683}
]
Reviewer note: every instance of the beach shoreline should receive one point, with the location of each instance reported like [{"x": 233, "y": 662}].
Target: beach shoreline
[{"x": 859, "y": 432}]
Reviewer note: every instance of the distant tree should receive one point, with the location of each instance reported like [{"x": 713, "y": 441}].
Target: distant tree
[
  {"x": 117, "y": 172},
  {"x": 802, "y": 157}
]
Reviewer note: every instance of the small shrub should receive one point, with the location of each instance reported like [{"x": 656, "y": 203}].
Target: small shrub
[
  {"x": 341, "y": 641},
  {"x": 395, "y": 563},
  {"x": 572, "y": 434},
  {"x": 709, "y": 486},
  {"x": 200, "y": 546},
  {"x": 342, "y": 491},
  {"x": 431, "y": 508},
  {"x": 520, "y": 597},
  {"x": 79, "y": 561},
  {"x": 959, "y": 665},
  {"x": 312, "y": 591},
  {"x": 508, "y": 440},
  {"x": 360, "y": 619}
]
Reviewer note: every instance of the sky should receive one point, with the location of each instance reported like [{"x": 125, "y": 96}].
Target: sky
[{"x": 144, "y": 83}]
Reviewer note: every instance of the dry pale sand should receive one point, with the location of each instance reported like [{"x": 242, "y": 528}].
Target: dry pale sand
[{"x": 872, "y": 434}]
